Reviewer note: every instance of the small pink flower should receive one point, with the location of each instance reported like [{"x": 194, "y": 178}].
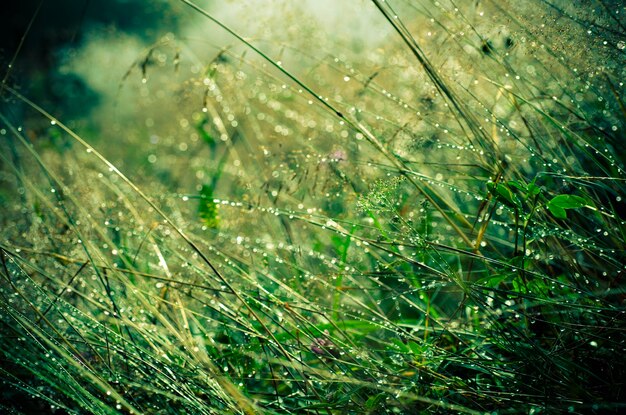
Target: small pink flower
[
  {"x": 338, "y": 155},
  {"x": 323, "y": 346}
]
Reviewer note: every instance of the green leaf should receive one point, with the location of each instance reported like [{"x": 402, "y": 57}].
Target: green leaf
[
  {"x": 532, "y": 189},
  {"x": 516, "y": 184},
  {"x": 504, "y": 194},
  {"x": 207, "y": 209},
  {"x": 529, "y": 190},
  {"x": 204, "y": 135},
  {"x": 568, "y": 201},
  {"x": 558, "y": 205},
  {"x": 557, "y": 212}
]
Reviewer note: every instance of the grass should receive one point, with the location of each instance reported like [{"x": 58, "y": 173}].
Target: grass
[{"x": 428, "y": 223}]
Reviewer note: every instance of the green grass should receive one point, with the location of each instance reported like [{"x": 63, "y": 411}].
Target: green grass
[{"x": 430, "y": 223}]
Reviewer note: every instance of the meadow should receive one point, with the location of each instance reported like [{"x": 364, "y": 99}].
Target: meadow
[{"x": 317, "y": 207}]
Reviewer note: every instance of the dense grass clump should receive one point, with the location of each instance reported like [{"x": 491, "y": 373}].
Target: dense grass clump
[{"x": 372, "y": 207}]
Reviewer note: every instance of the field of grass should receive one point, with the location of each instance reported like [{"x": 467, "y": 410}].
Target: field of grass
[{"x": 316, "y": 207}]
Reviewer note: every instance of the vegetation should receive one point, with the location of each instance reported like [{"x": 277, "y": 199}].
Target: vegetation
[{"x": 421, "y": 214}]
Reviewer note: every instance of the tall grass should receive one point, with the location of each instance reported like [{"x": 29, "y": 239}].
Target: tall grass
[{"x": 430, "y": 223}]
